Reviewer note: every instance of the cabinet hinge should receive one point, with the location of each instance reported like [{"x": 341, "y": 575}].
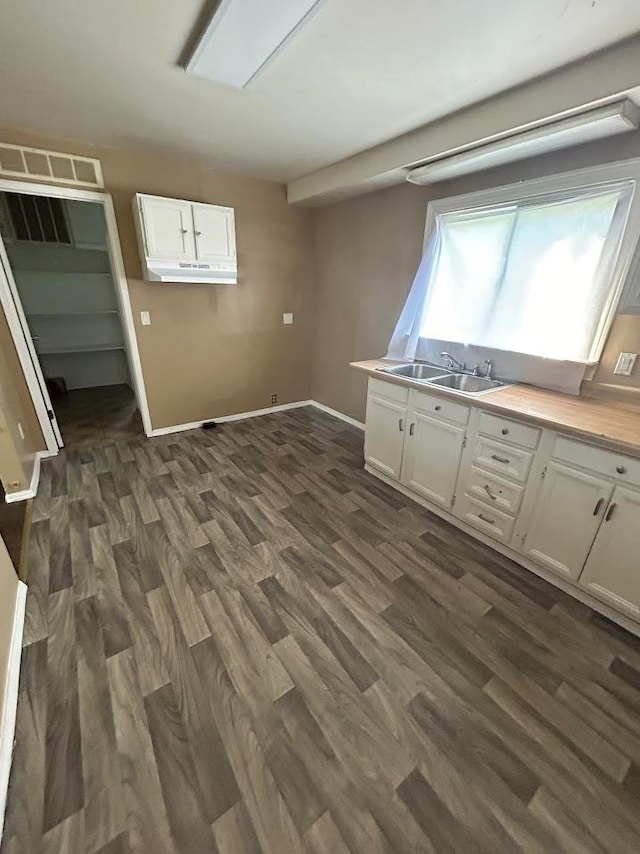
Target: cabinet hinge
[
  {"x": 453, "y": 501},
  {"x": 50, "y": 414},
  {"x": 544, "y": 472},
  {"x": 464, "y": 442}
]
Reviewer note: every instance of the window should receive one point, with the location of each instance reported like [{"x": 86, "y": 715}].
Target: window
[
  {"x": 37, "y": 219},
  {"x": 534, "y": 269}
]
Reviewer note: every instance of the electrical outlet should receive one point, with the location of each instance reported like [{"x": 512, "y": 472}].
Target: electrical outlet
[
  {"x": 274, "y": 398},
  {"x": 287, "y": 318},
  {"x": 625, "y": 364},
  {"x": 21, "y": 431},
  {"x": 145, "y": 318}
]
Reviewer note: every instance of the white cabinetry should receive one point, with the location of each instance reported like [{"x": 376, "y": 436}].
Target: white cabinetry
[
  {"x": 566, "y": 518},
  {"x": 386, "y": 421},
  {"x": 433, "y": 447},
  {"x": 612, "y": 572},
  {"x": 183, "y": 241}
]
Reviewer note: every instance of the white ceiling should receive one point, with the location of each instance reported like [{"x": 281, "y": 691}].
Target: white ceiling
[{"x": 361, "y": 72}]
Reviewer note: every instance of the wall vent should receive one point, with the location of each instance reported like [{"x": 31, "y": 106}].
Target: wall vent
[{"x": 18, "y": 161}]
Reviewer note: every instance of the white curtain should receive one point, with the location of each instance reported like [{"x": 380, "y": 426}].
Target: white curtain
[{"x": 532, "y": 277}]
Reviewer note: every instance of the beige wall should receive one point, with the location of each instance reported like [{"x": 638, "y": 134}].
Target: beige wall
[
  {"x": 16, "y": 455},
  {"x": 214, "y": 350},
  {"x": 367, "y": 251},
  {"x": 8, "y": 596}
]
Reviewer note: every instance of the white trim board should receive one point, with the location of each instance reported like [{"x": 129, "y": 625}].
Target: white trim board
[
  {"x": 240, "y": 416},
  {"x": 11, "y": 698},
  {"x": 10, "y": 497}
]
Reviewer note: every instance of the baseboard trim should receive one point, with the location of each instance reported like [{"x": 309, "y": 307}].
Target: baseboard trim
[
  {"x": 11, "y": 699},
  {"x": 31, "y": 492},
  {"x": 239, "y": 416},
  {"x": 337, "y": 414}
]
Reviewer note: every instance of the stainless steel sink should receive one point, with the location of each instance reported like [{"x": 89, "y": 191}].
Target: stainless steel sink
[
  {"x": 467, "y": 383},
  {"x": 415, "y": 371}
]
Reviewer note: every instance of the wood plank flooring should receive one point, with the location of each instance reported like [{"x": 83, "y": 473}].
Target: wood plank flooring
[{"x": 238, "y": 641}]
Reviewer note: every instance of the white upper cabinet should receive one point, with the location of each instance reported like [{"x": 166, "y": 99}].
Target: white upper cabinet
[
  {"x": 433, "y": 448},
  {"x": 184, "y": 241},
  {"x": 567, "y": 515},
  {"x": 214, "y": 232},
  {"x": 385, "y": 429},
  {"x": 168, "y": 228},
  {"x": 612, "y": 572}
]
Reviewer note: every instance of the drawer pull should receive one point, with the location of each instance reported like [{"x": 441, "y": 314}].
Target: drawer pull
[
  {"x": 438, "y": 408},
  {"x": 621, "y": 470},
  {"x": 598, "y": 506},
  {"x": 491, "y": 495},
  {"x": 412, "y": 427},
  {"x": 486, "y": 519},
  {"x": 500, "y": 459},
  {"x": 610, "y": 512},
  {"x": 401, "y": 424},
  {"x": 505, "y": 431}
]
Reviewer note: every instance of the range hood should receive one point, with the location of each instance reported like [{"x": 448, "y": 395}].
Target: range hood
[{"x": 191, "y": 271}]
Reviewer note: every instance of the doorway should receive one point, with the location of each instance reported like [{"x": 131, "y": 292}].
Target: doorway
[{"x": 72, "y": 321}]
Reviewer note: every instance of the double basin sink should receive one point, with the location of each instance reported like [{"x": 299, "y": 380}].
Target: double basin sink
[{"x": 433, "y": 375}]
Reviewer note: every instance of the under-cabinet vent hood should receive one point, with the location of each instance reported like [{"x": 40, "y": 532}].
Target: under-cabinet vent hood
[{"x": 185, "y": 271}]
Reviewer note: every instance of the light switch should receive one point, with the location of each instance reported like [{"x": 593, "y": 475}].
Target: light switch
[
  {"x": 625, "y": 364},
  {"x": 145, "y": 318},
  {"x": 287, "y": 318}
]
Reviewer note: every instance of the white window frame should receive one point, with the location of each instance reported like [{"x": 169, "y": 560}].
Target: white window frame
[{"x": 579, "y": 179}]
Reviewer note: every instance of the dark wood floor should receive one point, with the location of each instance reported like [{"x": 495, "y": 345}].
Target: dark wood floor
[
  {"x": 101, "y": 415},
  {"x": 238, "y": 641}
]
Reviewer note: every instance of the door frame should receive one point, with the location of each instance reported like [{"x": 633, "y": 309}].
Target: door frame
[{"x": 16, "y": 319}]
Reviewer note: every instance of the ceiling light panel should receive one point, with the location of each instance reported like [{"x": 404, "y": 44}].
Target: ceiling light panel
[
  {"x": 585, "y": 127},
  {"x": 244, "y": 36}
]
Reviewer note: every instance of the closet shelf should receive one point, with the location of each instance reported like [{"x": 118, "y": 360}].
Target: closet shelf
[
  {"x": 79, "y": 348},
  {"x": 71, "y": 313}
]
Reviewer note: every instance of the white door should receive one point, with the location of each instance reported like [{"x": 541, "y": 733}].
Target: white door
[
  {"x": 168, "y": 228},
  {"x": 568, "y": 513},
  {"x": 612, "y": 571},
  {"x": 214, "y": 233},
  {"x": 432, "y": 456},
  {"x": 384, "y": 434}
]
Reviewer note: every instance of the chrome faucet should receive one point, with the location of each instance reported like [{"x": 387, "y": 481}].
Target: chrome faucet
[
  {"x": 451, "y": 362},
  {"x": 488, "y": 369}
]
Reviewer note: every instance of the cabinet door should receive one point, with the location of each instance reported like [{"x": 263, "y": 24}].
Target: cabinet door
[
  {"x": 612, "y": 571},
  {"x": 215, "y": 233},
  {"x": 567, "y": 516},
  {"x": 384, "y": 434},
  {"x": 432, "y": 455},
  {"x": 168, "y": 229}
]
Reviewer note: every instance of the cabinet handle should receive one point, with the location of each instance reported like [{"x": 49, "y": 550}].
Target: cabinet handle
[
  {"x": 598, "y": 506},
  {"x": 610, "y": 512},
  {"x": 486, "y": 519},
  {"x": 197, "y": 233},
  {"x": 500, "y": 459},
  {"x": 412, "y": 427},
  {"x": 621, "y": 470},
  {"x": 437, "y": 408},
  {"x": 183, "y": 230},
  {"x": 401, "y": 425},
  {"x": 491, "y": 495},
  {"x": 505, "y": 431}
]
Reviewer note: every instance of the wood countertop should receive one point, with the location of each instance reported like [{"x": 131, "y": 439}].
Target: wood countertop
[{"x": 615, "y": 424}]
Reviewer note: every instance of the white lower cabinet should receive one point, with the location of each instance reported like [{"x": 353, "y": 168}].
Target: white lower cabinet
[
  {"x": 385, "y": 428},
  {"x": 432, "y": 452},
  {"x": 612, "y": 572},
  {"x": 566, "y": 518},
  {"x": 551, "y": 501}
]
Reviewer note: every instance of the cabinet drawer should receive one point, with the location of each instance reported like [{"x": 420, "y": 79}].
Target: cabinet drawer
[
  {"x": 623, "y": 469},
  {"x": 494, "y": 491},
  {"x": 503, "y": 459},
  {"x": 492, "y": 522},
  {"x": 388, "y": 390},
  {"x": 509, "y": 431},
  {"x": 438, "y": 407}
]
